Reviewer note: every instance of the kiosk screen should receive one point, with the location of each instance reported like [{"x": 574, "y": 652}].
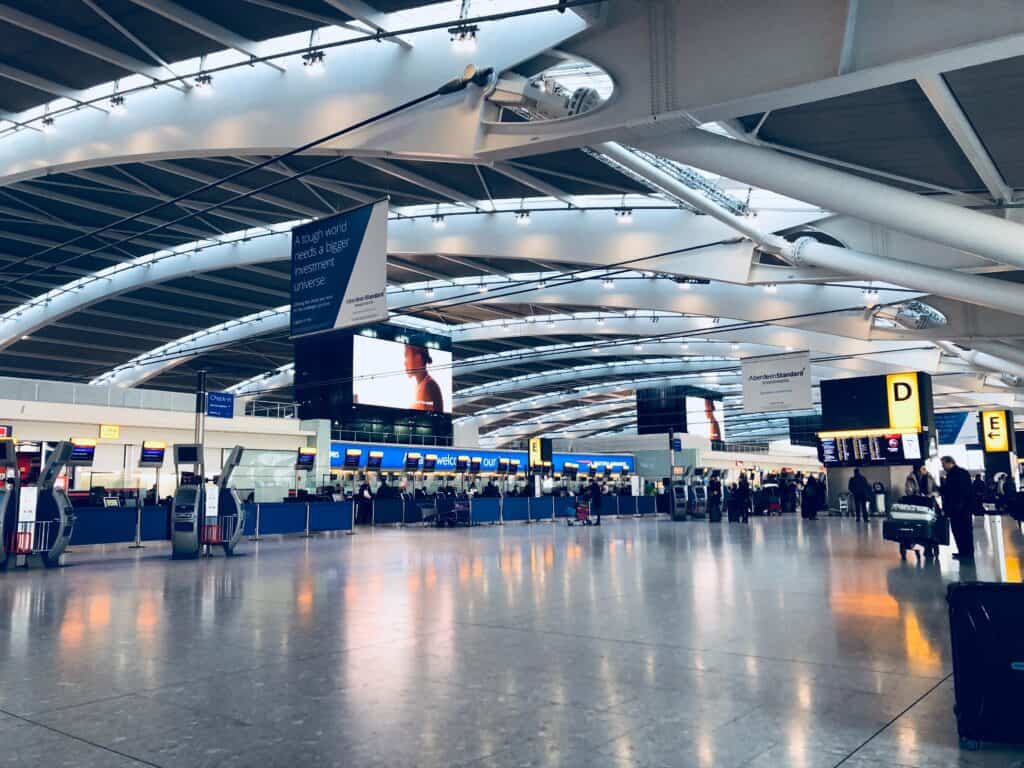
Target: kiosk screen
[
  {"x": 353, "y": 457},
  {"x": 430, "y": 462},
  {"x": 374, "y": 460},
  {"x": 186, "y": 454},
  {"x": 305, "y": 459},
  {"x": 412, "y": 461},
  {"x": 152, "y": 454}
]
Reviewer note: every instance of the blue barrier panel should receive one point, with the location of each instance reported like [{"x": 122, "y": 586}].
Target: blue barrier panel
[
  {"x": 565, "y": 506},
  {"x": 541, "y": 508},
  {"x": 100, "y": 525},
  {"x": 330, "y": 516},
  {"x": 645, "y": 505},
  {"x": 154, "y": 523},
  {"x": 387, "y": 511},
  {"x": 627, "y": 505},
  {"x": 282, "y": 518},
  {"x": 515, "y": 508},
  {"x": 414, "y": 510},
  {"x": 249, "y": 524},
  {"x": 485, "y": 510}
]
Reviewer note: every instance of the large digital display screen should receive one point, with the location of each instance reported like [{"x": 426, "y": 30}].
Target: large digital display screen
[
  {"x": 705, "y": 417},
  {"x": 661, "y": 410},
  {"x": 82, "y": 453},
  {"x": 869, "y": 450},
  {"x": 397, "y": 375}
]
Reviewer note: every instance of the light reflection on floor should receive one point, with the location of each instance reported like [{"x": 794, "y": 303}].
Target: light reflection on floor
[{"x": 640, "y": 643}]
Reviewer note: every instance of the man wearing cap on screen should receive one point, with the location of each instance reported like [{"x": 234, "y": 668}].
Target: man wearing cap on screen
[{"x": 428, "y": 394}]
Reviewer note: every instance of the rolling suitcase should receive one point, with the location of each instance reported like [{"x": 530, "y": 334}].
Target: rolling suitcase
[
  {"x": 715, "y": 511},
  {"x": 914, "y": 520},
  {"x": 988, "y": 660},
  {"x": 733, "y": 507}
]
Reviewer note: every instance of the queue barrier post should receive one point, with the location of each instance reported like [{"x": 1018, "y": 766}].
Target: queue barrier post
[
  {"x": 306, "y": 534},
  {"x": 352, "y": 530},
  {"x": 256, "y": 535},
  {"x": 138, "y": 527}
]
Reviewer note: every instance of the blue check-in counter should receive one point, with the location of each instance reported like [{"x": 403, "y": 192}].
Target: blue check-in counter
[
  {"x": 515, "y": 509},
  {"x": 484, "y": 510}
]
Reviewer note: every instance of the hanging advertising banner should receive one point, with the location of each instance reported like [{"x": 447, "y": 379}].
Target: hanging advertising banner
[
  {"x": 777, "y": 383},
  {"x": 339, "y": 271}
]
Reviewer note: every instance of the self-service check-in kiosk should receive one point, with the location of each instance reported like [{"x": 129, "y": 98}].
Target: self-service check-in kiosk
[
  {"x": 205, "y": 514},
  {"x": 9, "y": 487},
  {"x": 45, "y": 518}
]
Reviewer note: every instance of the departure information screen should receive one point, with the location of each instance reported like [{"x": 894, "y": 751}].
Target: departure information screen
[{"x": 868, "y": 450}]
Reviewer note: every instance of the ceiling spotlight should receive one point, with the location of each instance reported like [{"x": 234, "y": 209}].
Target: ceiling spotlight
[
  {"x": 608, "y": 283},
  {"x": 437, "y": 221},
  {"x": 624, "y": 215},
  {"x": 48, "y": 124},
  {"x": 871, "y": 297},
  {"x": 600, "y": 321},
  {"x": 25, "y": 338},
  {"x": 522, "y": 217},
  {"x": 638, "y": 347},
  {"x": 117, "y": 103},
  {"x": 482, "y": 289},
  {"x": 429, "y": 291},
  {"x": 735, "y": 347},
  {"x": 684, "y": 345},
  {"x": 204, "y": 81},
  {"x": 463, "y": 37},
  {"x": 789, "y": 348},
  {"x": 684, "y": 285},
  {"x": 313, "y": 61},
  {"x": 771, "y": 288},
  {"x": 551, "y": 323}
]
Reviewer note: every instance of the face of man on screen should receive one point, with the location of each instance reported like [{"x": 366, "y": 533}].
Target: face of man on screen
[{"x": 428, "y": 394}]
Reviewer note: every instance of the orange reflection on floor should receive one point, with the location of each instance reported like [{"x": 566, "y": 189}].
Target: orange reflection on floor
[
  {"x": 868, "y": 605},
  {"x": 72, "y": 628},
  {"x": 923, "y": 656},
  {"x": 146, "y": 614}
]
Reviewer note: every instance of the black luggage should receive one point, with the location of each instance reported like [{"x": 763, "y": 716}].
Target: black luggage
[
  {"x": 714, "y": 511},
  {"x": 734, "y": 510},
  {"x": 988, "y": 660},
  {"x": 917, "y": 531}
]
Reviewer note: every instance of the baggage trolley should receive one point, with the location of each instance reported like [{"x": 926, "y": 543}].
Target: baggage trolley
[
  {"x": 582, "y": 514},
  {"x": 914, "y": 521}
]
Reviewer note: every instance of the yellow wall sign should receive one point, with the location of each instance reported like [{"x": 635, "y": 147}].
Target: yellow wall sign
[
  {"x": 995, "y": 432},
  {"x": 535, "y": 452},
  {"x": 904, "y": 397},
  {"x": 109, "y": 431}
]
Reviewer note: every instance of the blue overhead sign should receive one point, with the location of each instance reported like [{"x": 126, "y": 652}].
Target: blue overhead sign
[
  {"x": 394, "y": 458},
  {"x": 339, "y": 271},
  {"x": 220, "y": 405}
]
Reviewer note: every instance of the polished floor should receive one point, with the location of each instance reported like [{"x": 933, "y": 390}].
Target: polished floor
[{"x": 640, "y": 643}]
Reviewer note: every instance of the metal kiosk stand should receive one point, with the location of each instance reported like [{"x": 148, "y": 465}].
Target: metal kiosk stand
[
  {"x": 10, "y": 486},
  {"x": 202, "y": 516},
  {"x": 45, "y": 516}
]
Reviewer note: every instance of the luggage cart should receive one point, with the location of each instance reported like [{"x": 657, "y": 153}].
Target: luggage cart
[
  {"x": 915, "y": 521},
  {"x": 220, "y": 532},
  {"x": 582, "y": 514},
  {"x": 32, "y": 537}
]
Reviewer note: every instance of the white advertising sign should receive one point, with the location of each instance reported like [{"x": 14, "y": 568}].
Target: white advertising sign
[
  {"x": 28, "y": 499},
  {"x": 777, "y": 383},
  {"x": 212, "y": 502}
]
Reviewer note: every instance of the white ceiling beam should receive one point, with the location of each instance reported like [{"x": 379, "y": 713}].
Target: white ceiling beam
[
  {"x": 945, "y": 103},
  {"x": 371, "y": 17},
  {"x": 418, "y": 180},
  {"x": 533, "y": 182},
  {"x": 71, "y": 40},
  {"x": 205, "y": 27},
  {"x": 301, "y": 13}
]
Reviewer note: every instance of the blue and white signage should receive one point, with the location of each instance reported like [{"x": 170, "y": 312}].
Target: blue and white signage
[
  {"x": 339, "y": 271},
  {"x": 957, "y": 427},
  {"x": 220, "y": 405},
  {"x": 394, "y": 458}
]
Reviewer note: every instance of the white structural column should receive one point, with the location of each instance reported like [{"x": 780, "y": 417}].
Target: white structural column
[
  {"x": 993, "y": 238},
  {"x": 983, "y": 359},
  {"x": 641, "y": 167},
  {"x": 948, "y": 108},
  {"x": 983, "y": 291}
]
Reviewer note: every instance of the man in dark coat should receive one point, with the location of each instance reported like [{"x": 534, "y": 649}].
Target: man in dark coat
[
  {"x": 594, "y": 492},
  {"x": 958, "y": 503},
  {"x": 860, "y": 489}
]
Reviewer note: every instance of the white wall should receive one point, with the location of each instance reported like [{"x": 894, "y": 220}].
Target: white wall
[{"x": 116, "y": 460}]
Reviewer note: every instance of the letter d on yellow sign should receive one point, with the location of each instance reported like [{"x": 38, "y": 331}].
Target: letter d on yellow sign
[{"x": 903, "y": 394}]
